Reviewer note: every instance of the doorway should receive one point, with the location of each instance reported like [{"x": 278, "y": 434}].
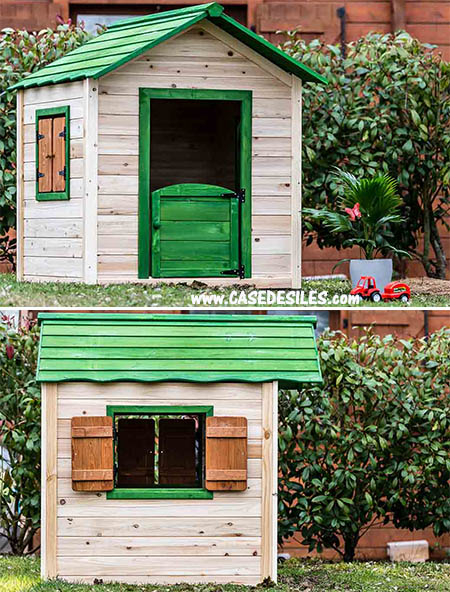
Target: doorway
[{"x": 194, "y": 194}]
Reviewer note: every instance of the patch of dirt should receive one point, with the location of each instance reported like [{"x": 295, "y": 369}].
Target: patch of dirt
[{"x": 428, "y": 285}]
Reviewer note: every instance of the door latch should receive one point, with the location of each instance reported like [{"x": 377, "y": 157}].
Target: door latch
[{"x": 240, "y": 195}]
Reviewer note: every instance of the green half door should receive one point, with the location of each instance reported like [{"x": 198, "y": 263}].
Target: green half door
[{"x": 195, "y": 231}]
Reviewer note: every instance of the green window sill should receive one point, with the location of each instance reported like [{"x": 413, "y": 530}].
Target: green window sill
[
  {"x": 63, "y": 195},
  {"x": 159, "y": 493}
]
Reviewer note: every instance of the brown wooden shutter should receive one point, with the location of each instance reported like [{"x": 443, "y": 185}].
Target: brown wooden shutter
[
  {"x": 177, "y": 452},
  {"x": 92, "y": 454},
  {"x": 226, "y": 453},
  {"x": 59, "y": 151},
  {"x": 135, "y": 452},
  {"x": 45, "y": 154}
]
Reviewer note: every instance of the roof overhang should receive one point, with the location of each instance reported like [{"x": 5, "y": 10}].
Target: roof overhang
[{"x": 102, "y": 347}]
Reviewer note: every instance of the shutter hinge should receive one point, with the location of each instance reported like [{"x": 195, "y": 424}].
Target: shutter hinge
[
  {"x": 63, "y": 133},
  {"x": 240, "y": 195},
  {"x": 39, "y": 174},
  {"x": 39, "y": 136},
  {"x": 240, "y": 271},
  {"x": 62, "y": 173}
]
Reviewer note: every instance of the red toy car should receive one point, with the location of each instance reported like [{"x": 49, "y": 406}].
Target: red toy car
[{"x": 366, "y": 289}]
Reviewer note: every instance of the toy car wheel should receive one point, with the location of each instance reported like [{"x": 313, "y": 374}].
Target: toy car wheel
[
  {"x": 404, "y": 298},
  {"x": 375, "y": 297}
]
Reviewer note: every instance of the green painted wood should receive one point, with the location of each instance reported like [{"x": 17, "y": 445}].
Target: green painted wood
[
  {"x": 246, "y": 181},
  {"x": 159, "y": 493},
  {"x": 195, "y": 210},
  {"x": 54, "y": 195},
  {"x": 144, "y": 189},
  {"x": 213, "y": 365},
  {"x": 112, "y": 410},
  {"x": 193, "y": 250},
  {"x": 193, "y": 353},
  {"x": 197, "y": 348},
  {"x": 95, "y": 58},
  {"x": 189, "y": 241},
  {"x": 60, "y": 342}
]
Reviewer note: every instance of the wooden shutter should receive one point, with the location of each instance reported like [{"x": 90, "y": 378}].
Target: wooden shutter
[
  {"x": 92, "y": 454},
  {"x": 226, "y": 453},
  {"x": 59, "y": 152},
  {"x": 135, "y": 452},
  {"x": 45, "y": 154},
  {"x": 177, "y": 452}
]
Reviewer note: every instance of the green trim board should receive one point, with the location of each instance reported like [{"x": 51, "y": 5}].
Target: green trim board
[
  {"x": 185, "y": 348},
  {"x": 158, "y": 492},
  {"x": 245, "y": 173},
  {"x": 53, "y": 195},
  {"x": 128, "y": 39}
]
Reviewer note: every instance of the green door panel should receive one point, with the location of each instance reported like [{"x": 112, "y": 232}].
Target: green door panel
[{"x": 195, "y": 231}]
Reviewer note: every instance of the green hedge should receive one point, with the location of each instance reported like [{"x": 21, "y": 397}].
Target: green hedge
[{"x": 369, "y": 446}]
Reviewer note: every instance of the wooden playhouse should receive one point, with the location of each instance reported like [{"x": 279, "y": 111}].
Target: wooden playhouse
[
  {"x": 167, "y": 147},
  {"x": 159, "y": 443}
]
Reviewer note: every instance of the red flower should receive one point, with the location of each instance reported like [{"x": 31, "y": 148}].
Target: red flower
[
  {"x": 353, "y": 212},
  {"x": 9, "y": 351}
]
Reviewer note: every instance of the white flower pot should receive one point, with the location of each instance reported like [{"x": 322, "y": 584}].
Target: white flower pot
[{"x": 380, "y": 269}]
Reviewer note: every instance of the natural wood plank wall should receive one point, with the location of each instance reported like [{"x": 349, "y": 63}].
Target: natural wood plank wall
[
  {"x": 196, "y": 59},
  {"x": 53, "y": 230},
  {"x": 163, "y": 540}
]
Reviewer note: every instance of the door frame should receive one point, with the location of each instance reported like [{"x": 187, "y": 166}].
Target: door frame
[{"x": 245, "y": 165}]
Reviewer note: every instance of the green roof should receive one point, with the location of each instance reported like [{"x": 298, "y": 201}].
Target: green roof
[
  {"x": 105, "y": 347},
  {"x": 125, "y": 40}
]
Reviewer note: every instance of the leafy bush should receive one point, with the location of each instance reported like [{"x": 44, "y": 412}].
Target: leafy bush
[
  {"x": 371, "y": 445},
  {"x": 21, "y": 53},
  {"x": 386, "y": 109},
  {"x": 19, "y": 437}
]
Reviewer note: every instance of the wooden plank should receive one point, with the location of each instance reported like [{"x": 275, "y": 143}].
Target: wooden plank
[
  {"x": 118, "y": 144},
  {"x": 296, "y": 183},
  {"x": 76, "y": 191},
  {"x": 159, "y": 546},
  {"x": 226, "y": 455},
  {"x": 20, "y": 185},
  {"x": 171, "y": 391},
  {"x": 92, "y": 456},
  {"x": 181, "y": 566},
  {"x": 53, "y": 229},
  {"x": 54, "y": 93},
  {"x": 90, "y": 270},
  {"x": 53, "y": 247},
  {"x": 45, "y": 155},
  {"x": 53, "y": 266},
  {"x": 110, "y": 164},
  {"x": 92, "y": 431},
  {"x": 59, "y": 152},
  {"x": 230, "y": 527},
  {"x": 49, "y": 481},
  {"x": 398, "y": 15},
  {"x": 270, "y": 480},
  {"x": 76, "y": 109},
  {"x": 161, "y": 580},
  {"x": 47, "y": 210}
]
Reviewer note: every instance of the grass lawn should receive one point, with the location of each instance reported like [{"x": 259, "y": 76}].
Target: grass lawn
[
  {"x": 25, "y": 294},
  {"x": 22, "y": 575}
]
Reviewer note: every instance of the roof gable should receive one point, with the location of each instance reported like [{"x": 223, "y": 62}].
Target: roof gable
[
  {"x": 125, "y": 40},
  {"x": 195, "y": 348}
]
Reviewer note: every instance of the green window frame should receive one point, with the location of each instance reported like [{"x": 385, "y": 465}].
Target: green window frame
[
  {"x": 245, "y": 165},
  {"x": 54, "y": 195},
  {"x": 158, "y": 492}
]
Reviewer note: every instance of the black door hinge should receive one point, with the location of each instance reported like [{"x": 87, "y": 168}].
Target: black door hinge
[
  {"x": 62, "y": 173},
  {"x": 240, "y": 195},
  {"x": 39, "y": 174},
  {"x": 39, "y": 136},
  {"x": 240, "y": 271},
  {"x": 63, "y": 133}
]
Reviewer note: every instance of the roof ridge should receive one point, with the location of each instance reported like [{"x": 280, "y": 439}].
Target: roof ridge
[{"x": 212, "y": 9}]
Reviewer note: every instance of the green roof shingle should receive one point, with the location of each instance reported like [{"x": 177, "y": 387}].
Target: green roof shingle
[
  {"x": 197, "y": 348},
  {"x": 125, "y": 40}
]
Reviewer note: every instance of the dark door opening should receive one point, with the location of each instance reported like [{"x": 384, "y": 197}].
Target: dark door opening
[{"x": 194, "y": 141}]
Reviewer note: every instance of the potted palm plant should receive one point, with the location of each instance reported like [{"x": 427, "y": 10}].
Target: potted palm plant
[{"x": 366, "y": 211}]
